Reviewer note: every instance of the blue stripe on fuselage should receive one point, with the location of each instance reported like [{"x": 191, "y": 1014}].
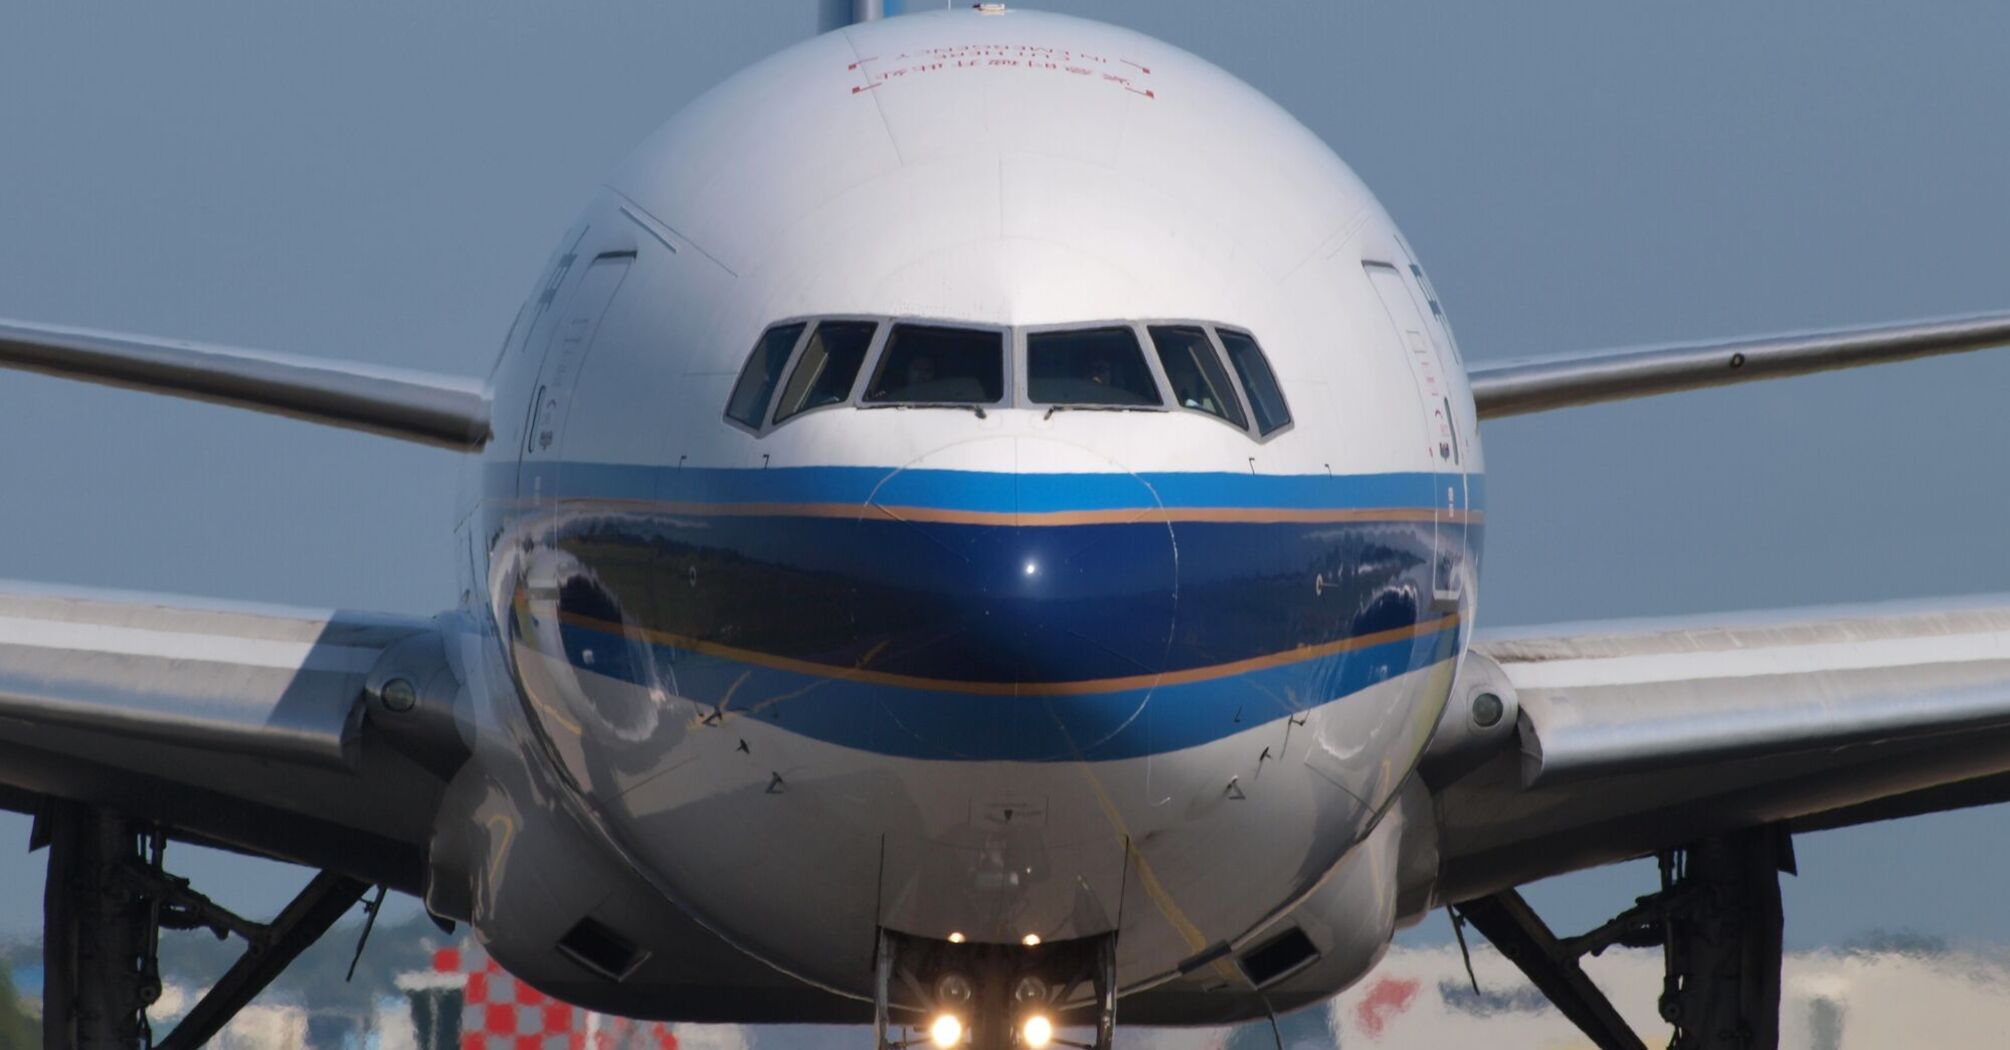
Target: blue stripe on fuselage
[
  {"x": 840, "y": 594},
  {"x": 990, "y": 491},
  {"x": 999, "y": 604},
  {"x": 926, "y": 724}
]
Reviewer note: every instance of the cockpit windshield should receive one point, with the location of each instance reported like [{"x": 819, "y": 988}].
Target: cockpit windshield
[
  {"x": 1141, "y": 366},
  {"x": 763, "y": 371},
  {"x": 1090, "y": 366},
  {"x": 1266, "y": 399},
  {"x": 930, "y": 365},
  {"x": 1198, "y": 380},
  {"x": 828, "y": 367}
]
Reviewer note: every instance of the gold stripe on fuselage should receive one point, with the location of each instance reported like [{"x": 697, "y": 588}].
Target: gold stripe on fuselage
[{"x": 1086, "y": 687}]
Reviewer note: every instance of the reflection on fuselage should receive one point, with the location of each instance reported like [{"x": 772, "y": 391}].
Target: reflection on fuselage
[
  {"x": 924, "y": 614},
  {"x": 969, "y": 537}
]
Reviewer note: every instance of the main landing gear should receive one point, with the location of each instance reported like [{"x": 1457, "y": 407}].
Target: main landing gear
[
  {"x": 105, "y": 903},
  {"x": 959, "y": 994},
  {"x": 1718, "y": 921}
]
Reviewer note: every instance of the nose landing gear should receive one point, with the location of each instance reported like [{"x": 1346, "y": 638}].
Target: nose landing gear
[{"x": 958, "y": 995}]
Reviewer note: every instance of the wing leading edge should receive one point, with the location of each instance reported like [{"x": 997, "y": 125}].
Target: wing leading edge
[
  {"x": 1639, "y": 736},
  {"x": 237, "y": 725},
  {"x": 433, "y": 410},
  {"x": 1512, "y": 388}
]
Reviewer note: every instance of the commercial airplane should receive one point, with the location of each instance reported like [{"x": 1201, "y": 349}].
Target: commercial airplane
[{"x": 976, "y": 530}]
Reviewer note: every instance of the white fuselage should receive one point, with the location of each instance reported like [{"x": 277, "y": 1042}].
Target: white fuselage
[{"x": 936, "y": 670}]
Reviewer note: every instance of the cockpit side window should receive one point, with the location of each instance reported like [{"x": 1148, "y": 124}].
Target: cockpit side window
[
  {"x": 1266, "y": 400},
  {"x": 1198, "y": 380},
  {"x": 827, "y": 368},
  {"x": 1093, "y": 366},
  {"x": 932, "y": 365},
  {"x": 749, "y": 403}
]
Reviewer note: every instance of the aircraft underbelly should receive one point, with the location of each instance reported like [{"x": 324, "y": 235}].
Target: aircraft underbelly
[{"x": 798, "y": 849}]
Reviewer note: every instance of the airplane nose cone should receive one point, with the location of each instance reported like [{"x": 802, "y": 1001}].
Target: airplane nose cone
[{"x": 1040, "y": 598}]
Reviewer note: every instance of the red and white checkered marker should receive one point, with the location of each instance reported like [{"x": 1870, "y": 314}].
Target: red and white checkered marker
[{"x": 499, "y": 1012}]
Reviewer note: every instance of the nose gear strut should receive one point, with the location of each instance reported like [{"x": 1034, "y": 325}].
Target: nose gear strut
[{"x": 994, "y": 992}]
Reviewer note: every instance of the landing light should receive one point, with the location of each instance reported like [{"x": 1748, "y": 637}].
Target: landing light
[
  {"x": 1032, "y": 568},
  {"x": 946, "y": 1032},
  {"x": 1031, "y": 940},
  {"x": 956, "y": 938},
  {"x": 1037, "y": 1032}
]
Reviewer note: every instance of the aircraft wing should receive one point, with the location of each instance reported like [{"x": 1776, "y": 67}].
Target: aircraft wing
[
  {"x": 1512, "y": 388},
  {"x": 442, "y": 411},
  {"x": 246, "y": 727},
  {"x": 1633, "y": 737}
]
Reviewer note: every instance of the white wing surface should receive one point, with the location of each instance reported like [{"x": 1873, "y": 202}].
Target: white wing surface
[
  {"x": 244, "y": 726},
  {"x": 1639, "y": 736}
]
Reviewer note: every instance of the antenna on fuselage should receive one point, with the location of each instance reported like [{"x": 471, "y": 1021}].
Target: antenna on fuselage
[{"x": 874, "y": 10}]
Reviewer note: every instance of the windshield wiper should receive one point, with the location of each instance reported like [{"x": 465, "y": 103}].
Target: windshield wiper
[
  {"x": 1051, "y": 409},
  {"x": 977, "y": 409}
]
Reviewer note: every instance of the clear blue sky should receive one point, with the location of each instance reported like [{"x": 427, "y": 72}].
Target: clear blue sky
[{"x": 380, "y": 182}]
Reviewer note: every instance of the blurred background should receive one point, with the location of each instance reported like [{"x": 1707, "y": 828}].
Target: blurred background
[{"x": 380, "y": 182}]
